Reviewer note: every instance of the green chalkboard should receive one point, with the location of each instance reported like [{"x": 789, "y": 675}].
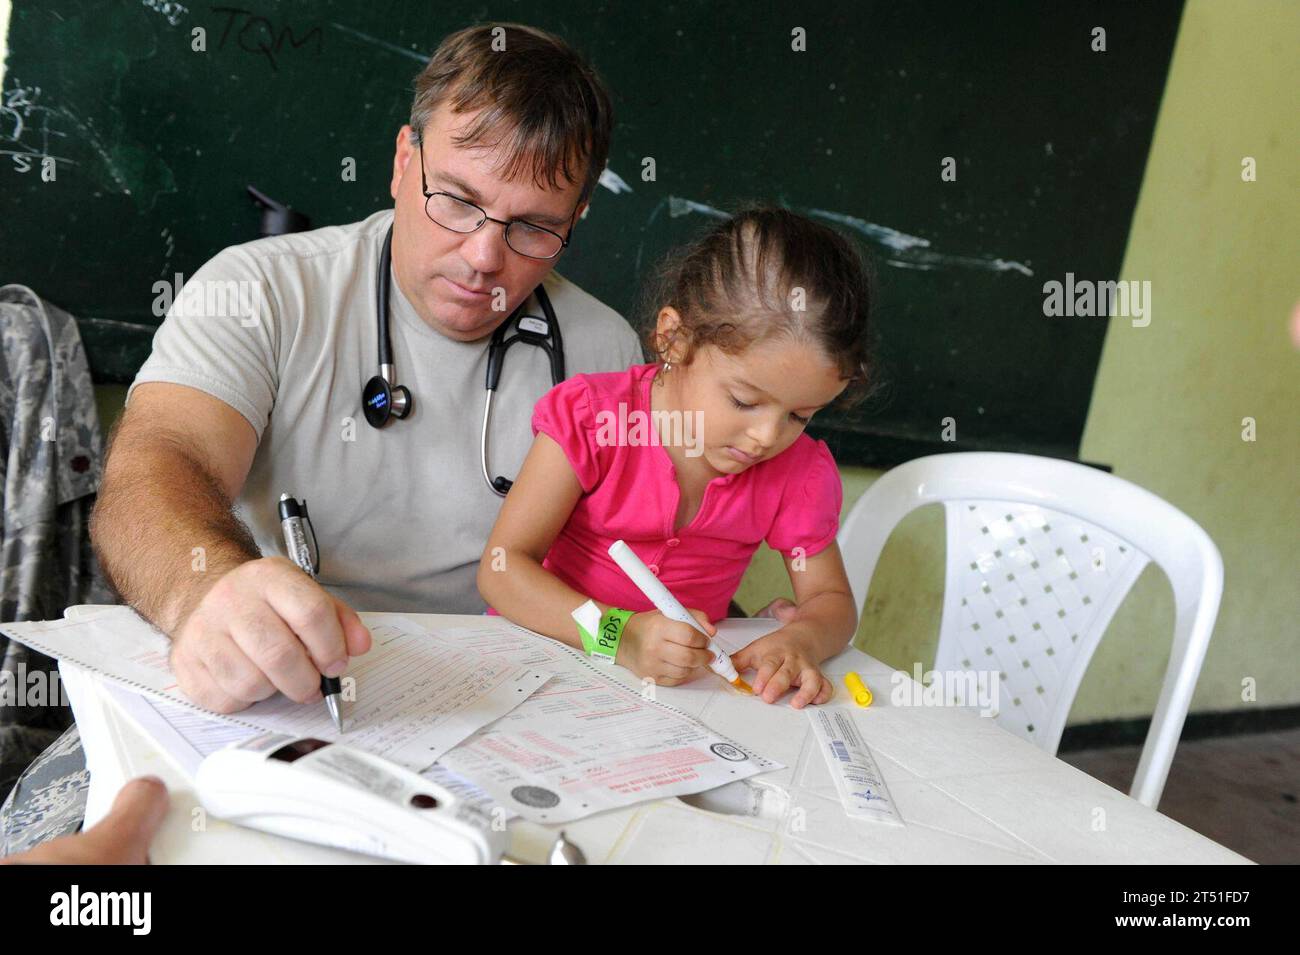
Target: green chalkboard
[{"x": 154, "y": 144}]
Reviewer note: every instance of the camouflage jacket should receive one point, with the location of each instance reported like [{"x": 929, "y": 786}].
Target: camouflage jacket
[{"x": 49, "y": 470}]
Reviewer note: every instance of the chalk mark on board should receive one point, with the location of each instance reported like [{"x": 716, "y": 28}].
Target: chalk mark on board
[
  {"x": 20, "y": 112},
  {"x": 914, "y": 252},
  {"x": 24, "y": 117},
  {"x": 677, "y": 206},
  {"x": 96, "y": 144},
  {"x": 908, "y": 251},
  {"x": 170, "y": 10},
  {"x": 613, "y": 181},
  {"x": 170, "y": 242},
  {"x": 382, "y": 44},
  {"x": 889, "y": 238}
]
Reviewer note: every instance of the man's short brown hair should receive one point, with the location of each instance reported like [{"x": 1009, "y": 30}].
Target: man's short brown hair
[{"x": 538, "y": 99}]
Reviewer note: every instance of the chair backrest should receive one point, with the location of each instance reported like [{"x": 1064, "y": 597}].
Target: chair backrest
[{"x": 1040, "y": 554}]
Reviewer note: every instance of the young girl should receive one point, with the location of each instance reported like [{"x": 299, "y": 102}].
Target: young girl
[{"x": 697, "y": 458}]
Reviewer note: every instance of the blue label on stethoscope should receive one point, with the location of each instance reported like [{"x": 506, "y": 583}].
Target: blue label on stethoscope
[{"x": 379, "y": 400}]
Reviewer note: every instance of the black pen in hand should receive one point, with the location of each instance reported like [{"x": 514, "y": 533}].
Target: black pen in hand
[{"x": 294, "y": 522}]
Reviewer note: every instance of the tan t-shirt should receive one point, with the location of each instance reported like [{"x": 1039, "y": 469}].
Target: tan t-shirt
[{"x": 401, "y": 514}]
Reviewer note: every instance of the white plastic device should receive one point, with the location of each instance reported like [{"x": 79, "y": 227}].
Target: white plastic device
[{"x": 334, "y": 795}]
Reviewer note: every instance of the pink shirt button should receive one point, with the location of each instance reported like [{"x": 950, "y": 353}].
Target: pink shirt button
[
  {"x": 654, "y": 569},
  {"x": 673, "y": 542}
]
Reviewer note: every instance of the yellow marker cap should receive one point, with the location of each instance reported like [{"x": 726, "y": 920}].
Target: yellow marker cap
[{"x": 858, "y": 689}]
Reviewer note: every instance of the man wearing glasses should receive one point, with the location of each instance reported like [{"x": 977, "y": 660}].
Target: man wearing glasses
[{"x": 509, "y": 134}]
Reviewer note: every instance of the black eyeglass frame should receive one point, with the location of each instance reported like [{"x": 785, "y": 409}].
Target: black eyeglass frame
[{"x": 424, "y": 189}]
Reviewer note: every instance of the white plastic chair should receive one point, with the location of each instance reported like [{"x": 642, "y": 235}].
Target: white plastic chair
[{"x": 1040, "y": 554}]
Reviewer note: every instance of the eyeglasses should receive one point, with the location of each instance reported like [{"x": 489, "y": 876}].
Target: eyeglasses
[{"x": 461, "y": 215}]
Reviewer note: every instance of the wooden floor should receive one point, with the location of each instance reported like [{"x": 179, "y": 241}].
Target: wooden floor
[{"x": 1240, "y": 791}]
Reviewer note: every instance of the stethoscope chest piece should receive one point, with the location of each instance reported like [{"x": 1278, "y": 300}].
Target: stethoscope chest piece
[{"x": 381, "y": 402}]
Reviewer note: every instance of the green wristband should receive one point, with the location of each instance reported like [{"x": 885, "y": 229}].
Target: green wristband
[{"x": 603, "y": 644}]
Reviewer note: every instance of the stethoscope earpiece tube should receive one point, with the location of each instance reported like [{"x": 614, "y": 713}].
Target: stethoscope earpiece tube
[
  {"x": 497, "y": 354},
  {"x": 381, "y": 398},
  {"x": 381, "y": 301}
]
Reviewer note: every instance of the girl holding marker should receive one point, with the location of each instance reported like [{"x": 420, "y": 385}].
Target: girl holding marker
[{"x": 696, "y": 459}]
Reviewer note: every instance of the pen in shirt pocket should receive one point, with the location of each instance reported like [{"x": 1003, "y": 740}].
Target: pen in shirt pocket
[{"x": 296, "y": 522}]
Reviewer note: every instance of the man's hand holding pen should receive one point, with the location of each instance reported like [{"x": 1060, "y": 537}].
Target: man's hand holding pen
[{"x": 264, "y": 627}]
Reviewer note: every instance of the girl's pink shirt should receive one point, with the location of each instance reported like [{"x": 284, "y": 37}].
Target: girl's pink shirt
[{"x": 630, "y": 492}]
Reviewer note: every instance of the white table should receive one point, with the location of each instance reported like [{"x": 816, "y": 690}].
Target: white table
[{"x": 969, "y": 792}]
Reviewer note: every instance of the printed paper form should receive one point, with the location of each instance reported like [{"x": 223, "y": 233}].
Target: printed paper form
[
  {"x": 187, "y": 737},
  {"x": 417, "y": 694},
  {"x": 586, "y": 743}
]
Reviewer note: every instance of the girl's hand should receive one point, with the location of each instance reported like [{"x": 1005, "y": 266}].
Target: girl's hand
[
  {"x": 665, "y": 650},
  {"x": 782, "y": 662}
]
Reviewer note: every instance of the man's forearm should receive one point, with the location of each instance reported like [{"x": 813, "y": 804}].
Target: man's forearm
[{"x": 164, "y": 531}]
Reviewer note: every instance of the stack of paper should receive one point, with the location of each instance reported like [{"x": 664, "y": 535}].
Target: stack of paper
[
  {"x": 415, "y": 696},
  {"x": 516, "y": 722}
]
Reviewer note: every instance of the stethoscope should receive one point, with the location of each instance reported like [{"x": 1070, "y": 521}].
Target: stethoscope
[{"x": 382, "y": 399}]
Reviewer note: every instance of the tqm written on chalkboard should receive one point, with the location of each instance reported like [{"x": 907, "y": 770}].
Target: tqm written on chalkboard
[{"x": 260, "y": 36}]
